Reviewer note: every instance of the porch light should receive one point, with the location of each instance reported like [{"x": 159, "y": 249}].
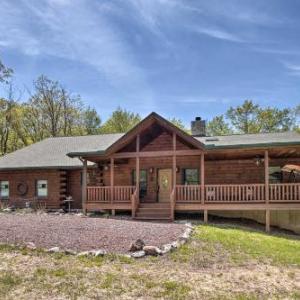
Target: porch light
[
  {"x": 258, "y": 160},
  {"x": 151, "y": 170},
  {"x": 177, "y": 169},
  {"x": 106, "y": 168}
]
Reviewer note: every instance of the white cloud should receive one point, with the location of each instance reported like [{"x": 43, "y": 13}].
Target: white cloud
[
  {"x": 219, "y": 34},
  {"x": 81, "y": 32}
]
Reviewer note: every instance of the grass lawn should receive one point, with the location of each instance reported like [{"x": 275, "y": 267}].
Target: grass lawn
[{"x": 219, "y": 262}]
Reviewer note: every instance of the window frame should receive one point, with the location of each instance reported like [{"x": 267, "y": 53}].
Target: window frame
[
  {"x": 184, "y": 181},
  {"x": 6, "y": 196},
  {"x": 37, "y": 188},
  {"x": 143, "y": 191}
]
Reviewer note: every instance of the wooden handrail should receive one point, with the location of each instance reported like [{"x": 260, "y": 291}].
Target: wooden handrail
[
  {"x": 134, "y": 202},
  {"x": 284, "y": 192},
  {"x": 234, "y": 193},
  {"x": 172, "y": 203},
  {"x": 103, "y": 193}
]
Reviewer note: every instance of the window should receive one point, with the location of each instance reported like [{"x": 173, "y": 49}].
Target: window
[
  {"x": 143, "y": 182},
  {"x": 42, "y": 188},
  {"x": 275, "y": 174},
  {"x": 4, "y": 189},
  {"x": 190, "y": 176}
]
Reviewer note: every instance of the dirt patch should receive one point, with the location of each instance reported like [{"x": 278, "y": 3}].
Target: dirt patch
[{"x": 80, "y": 233}]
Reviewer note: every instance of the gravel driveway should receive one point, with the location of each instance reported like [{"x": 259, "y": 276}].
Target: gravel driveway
[{"x": 80, "y": 233}]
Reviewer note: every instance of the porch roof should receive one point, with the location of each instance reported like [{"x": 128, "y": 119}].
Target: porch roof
[{"x": 289, "y": 138}]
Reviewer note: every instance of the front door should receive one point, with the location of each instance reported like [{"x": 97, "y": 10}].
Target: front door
[{"x": 164, "y": 184}]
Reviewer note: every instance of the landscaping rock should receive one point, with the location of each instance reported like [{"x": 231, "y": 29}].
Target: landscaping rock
[
  {"x": 84, "y": 253},
  {"x": 166, "y": 248},
  {"x": 99, "y": 252},
  {"x": 137, "y": 245},
  {"x": 70, "y": 252},
  {"x": 152, "y": 250},
  {"x": 7, "y": 209},
  {"x": 54, "y": 250},
  {"x": 138, "y": 254},
  {"x": 31, "y": 246}
]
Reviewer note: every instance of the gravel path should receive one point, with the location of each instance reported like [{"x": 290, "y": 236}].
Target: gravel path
[{"x": 79, "y": 233}]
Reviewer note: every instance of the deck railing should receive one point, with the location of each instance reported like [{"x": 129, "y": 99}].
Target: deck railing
[
  {"x": 107, "y": 194},
  {"x": 188, "y": 193},
  {"x": 235, "y": 193},
  {"x": 285, "y": 192},
  {"x": 238, "y": 193},
  {"x": 222, "y": 193}
]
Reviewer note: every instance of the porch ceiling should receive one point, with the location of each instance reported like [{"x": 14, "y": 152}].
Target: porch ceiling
[{"x": 278, "y": 152}]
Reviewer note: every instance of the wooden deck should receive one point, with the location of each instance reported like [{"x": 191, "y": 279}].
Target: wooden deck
[{"x": 281, "y": 196}]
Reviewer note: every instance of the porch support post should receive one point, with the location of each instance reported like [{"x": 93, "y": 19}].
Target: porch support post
[
  {"x": 202, "y": 179},
  {"x": 137, "y": 167},
  {"x": 205, "y": 216},
  {"x": 112, "y": 171},
  {"x": 268, "y": 220},
  {"x": 84, "y": 186},
  {"x": 266, "y": 160},
  {"x": 173, "y": 199},
  {"x": 174, "y": 160}
]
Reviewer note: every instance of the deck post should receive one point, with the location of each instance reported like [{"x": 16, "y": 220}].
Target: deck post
[
  {"x": 137, "y": 168},
  {"x": 267, "y": 196},
  {"x": 173, "y": 175},
  {"x": 112, "y": 167},
  {"x": 267, "y": 176},
  {"x": 268, "y": 220},
  {"x": 202, "y": 179},
  {"x": 205, "y": 216},
  {"x": 84, "y": 186}
]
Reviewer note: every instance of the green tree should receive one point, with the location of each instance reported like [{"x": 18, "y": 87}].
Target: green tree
[
  {"x": 275, "y": 120},
  {"x": 5, "y": 73},
  {"x": 121, "y": 120},
  {"x": 218, "y": 126},
  {"x": 179, "y": 124},
  {"x": 244, "y": 118},
  {"x": 91, "y": 121}
]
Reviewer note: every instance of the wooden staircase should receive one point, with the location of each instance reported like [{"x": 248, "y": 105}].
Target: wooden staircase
[{"x": 154, "y": 211}]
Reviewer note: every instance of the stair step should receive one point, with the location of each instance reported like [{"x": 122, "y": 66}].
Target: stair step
[
  {"x": 155, "y": 204},
  {"x": 153, "y": 218},
  {"x": 153, "y": 215},
  {"x": 153, "y": 209}
]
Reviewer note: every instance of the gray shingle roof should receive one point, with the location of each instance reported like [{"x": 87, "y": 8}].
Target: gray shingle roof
[
  {"x": 52, "y": 152},
  {"x": 243, "y": 140}
]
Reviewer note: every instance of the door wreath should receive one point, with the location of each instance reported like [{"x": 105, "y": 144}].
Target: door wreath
[{"x": 22, "y": 188}]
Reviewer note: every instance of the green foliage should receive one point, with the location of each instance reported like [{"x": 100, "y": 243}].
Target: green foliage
[
  {"x": 251, "y": 118},
  {"x": 5, "y": 73},
  {"x": 218, "y": 126},
  {"x": 258, "y": 245},
  {"x": 179, "y": 124},
  {"x": 121, "y": 120},
  {"x": 244, "y": 117}
]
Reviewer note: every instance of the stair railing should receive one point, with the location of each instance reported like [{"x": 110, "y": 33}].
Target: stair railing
[
  {"x": 134, "y": 203},
  {"x": 172, "y": 204}
]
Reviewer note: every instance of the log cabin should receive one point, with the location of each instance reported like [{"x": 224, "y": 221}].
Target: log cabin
[{"x": 156, "y": 170}]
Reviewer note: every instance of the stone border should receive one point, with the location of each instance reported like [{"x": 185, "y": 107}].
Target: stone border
[
  {"x": 155, "y": 251},
  {"x": 147, "y": 249}
]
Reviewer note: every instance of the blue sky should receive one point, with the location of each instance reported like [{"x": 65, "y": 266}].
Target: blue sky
[{"x": 179, "y": 58}]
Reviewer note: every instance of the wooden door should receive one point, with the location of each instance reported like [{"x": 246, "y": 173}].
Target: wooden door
[{"x": 164, "y": 184}]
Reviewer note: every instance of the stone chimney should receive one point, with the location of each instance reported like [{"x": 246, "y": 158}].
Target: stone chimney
[{"x": 198, "y": 127}]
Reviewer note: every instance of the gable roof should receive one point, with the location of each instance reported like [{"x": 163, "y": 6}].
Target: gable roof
[{"x": 52, "y": 152}]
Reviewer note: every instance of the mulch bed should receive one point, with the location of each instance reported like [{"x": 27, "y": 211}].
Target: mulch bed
[{"x": 83, "y": 233}]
